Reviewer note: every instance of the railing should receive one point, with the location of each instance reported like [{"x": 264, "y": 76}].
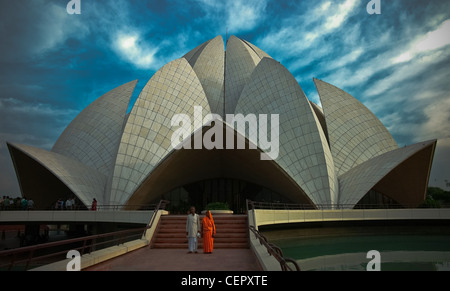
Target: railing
[
  {"x": 294, "y": 206},
  {"x": 79, "y": 207},
  {"x": 27, "y": 255},
  {"x": 276, "y": 252},
  {"x": 161, "y": 205},
  {"x": 272, "y": 249},
  {"x": 119, "y": 207}
]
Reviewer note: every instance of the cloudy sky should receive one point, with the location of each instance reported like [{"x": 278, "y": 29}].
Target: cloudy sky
[{"x": 53, "y": 65}]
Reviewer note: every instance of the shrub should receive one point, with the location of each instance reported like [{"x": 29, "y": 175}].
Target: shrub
[{"x": 217, "y": 206}]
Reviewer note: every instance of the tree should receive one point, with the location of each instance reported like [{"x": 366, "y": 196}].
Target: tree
[{"x": 439, "y": 194}]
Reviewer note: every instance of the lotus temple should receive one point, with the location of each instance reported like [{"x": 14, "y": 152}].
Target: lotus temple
[{"x": 337, "y": 154}]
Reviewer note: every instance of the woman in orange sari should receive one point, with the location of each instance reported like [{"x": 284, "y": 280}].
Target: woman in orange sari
[{"x": 209, "y": 231}]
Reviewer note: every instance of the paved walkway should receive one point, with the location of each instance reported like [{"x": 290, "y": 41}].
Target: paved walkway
[{"x": 146, "y": 259}]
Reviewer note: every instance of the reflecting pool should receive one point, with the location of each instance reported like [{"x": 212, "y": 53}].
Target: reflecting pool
[{"x": 401, "y": 247}]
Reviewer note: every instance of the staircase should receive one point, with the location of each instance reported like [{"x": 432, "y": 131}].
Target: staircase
[{"x": 231, "y": 232}]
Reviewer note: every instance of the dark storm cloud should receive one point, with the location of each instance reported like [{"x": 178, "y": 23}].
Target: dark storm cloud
[{"x": 30, "y": 29}]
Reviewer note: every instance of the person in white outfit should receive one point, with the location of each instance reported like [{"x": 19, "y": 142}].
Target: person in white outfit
[{"x": 192, "y": 230}]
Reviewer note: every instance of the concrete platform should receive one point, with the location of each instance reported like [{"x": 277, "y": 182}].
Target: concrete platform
[{"x": 147, "y": 259}]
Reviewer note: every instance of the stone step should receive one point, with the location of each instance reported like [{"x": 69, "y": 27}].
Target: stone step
[
  {"x": 182, "y": 229},
  {"x": 217, "y": 220},
  {"x": 232, "y": 232},
  {"x": 222, "y": 228},
  {"x": 217, "y": 223},
  {"x": 220, "y": 235},
  {"x": 200, "y": 246},
  {"x": 216, "y": 240},
  {"x": 183, "y": 222}
]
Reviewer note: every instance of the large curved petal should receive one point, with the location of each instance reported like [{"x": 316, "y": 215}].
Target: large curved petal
[
  {"x": 355, "y": 134},
  {"x": 208, "y": 63},
  {"x": 36, "y": 166},
  {"x": 93, "y": 137},
  {"x": 303, "y": 148},
  {"x": 401, "y": 174},
  {"x": 240, "y": 62},
  {"x": 174, "y": 89}
]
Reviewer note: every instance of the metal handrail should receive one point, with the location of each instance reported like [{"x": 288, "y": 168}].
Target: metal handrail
[
  {"x": 161, "y": 205},
  {"x": 100, "y": 207},
  {"x": 275, "y": 251},
  {"x": 118, "y": 236},
  {"x": 298, "y": 206},
  {"x": 119, "y": 207}
]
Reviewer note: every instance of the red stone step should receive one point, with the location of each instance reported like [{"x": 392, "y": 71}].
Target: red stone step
[
  {"x": 216, "y": 240},
  {"x": 232, "y": 232},
  {"x": 200, "y": 246},
  {"x": 218, "y": 235}
]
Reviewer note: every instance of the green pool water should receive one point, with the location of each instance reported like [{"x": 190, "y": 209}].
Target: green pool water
[{"x": 408, "y": 248}]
